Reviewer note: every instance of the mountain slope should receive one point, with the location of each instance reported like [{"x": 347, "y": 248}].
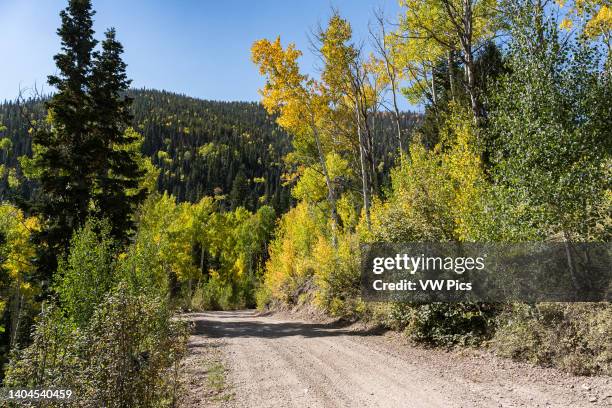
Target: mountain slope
[
  {"x": 233, "y": 150},
  {"x": 230, "y": 149}
]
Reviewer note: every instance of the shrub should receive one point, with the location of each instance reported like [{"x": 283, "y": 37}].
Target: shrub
[
  {"x": 336, "y": 276},
  {"x": 444, "y": 324},
  {"x": 130, "y": 345},
  {"x": 52, "y": 359},
  {"x": 573, "y": 336},
  {"x": 213, "y": 294},
  {"x": 86, "y": 274},
  {"x": 263, "y": 297},
  {"x": 125, "y": 357}
]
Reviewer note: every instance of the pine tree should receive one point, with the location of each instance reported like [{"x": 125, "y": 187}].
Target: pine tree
[
  {"x": 116, "y": 180},
  {"x": 240, "y": 191},
  {"x": 86, "y": 159},
  {"x": 62, "y": 162}
]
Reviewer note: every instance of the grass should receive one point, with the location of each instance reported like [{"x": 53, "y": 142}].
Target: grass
[
  {"x": 216, "y": 377},
  {"x": 216, "y": 380}
]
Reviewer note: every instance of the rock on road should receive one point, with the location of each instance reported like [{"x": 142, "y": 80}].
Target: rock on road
[{"x": 280, "y": 362}]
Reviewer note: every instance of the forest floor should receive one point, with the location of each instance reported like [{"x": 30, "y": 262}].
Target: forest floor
[{"x": 244, "y": 359}]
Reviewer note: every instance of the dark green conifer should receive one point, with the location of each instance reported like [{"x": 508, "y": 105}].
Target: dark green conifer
[
  {"x": 116, "y": 190},
  {"x": 86, "y": 158},
  {"x": 62, "y": 163}
]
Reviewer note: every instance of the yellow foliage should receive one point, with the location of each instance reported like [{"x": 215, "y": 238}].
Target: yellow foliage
[
  {"x": 600, "y": 23},
  {"x": 16, "y": 255},
  {"x": 428, "y": 31},
  {"x": 336, "y": 275},
  {"x": 566, "y": 24},
  {"x": 19, "y": 250},
  {"x": 303, "y": 259},
  {"x": 593, "y": 16},
  {"x": 463, "y": 165},
  {"x": 290, "y": 264},
  {"x": 311, "y": 185},
  {"x": 299, "y": 101},
  {"x": 438, "y": 194},
  {"x": 284, "y": 92}
]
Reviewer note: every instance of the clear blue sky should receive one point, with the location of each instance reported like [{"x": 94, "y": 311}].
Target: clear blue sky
[{"x": 200, "y": 48}]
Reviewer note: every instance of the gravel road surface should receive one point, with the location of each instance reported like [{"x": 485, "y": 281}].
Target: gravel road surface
[{"x": 276, "y": 361}]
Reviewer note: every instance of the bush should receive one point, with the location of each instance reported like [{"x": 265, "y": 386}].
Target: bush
[
  {"x": 213, "y": 294},
  {"x": 86, "y": 274},
  {"x": 573, "y": 336},
  {"x": 337, "y": 275},
  {"x": 444, "y": 324},
  {"x": 263, "y": 297},
  {"x": 52, "y": 359},
  {"x": 126, "y": 357}
]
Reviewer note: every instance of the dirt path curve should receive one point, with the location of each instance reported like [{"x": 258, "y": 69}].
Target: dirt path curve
[{"x": 275, "y": 362}]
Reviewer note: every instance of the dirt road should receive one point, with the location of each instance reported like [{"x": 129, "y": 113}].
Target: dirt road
[{"x": 274, "y": 362}]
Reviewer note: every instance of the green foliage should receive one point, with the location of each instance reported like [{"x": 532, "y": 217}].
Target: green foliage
[
  {"x": 311, "y": 184},
  {"x": 205, "y": 258},
  {"x": 439, "y": 194},
  {"x": 5, "y": 144},
  {"x": 444, "y": 324},
  {"x": 337, "y": 275},
  {"x": 154, "y": 258},
  {"x": 82, "y": 163},
  {"x": 117, "y": 180},
  {"x": 86, "y": 275},
  {"x": 239, "y": 193},
  {"x": 61, "y": 161},
  {"x": 51, "y": 357},
  {"x": 553, "y": 144},
  {"x": 224, "y": 139},
  {"x": 213, "y": 294},
  {"x": 125, "y": 357}
]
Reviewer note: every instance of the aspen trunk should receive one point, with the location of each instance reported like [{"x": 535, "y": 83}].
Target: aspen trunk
[
  {"x": 331, "y": 192},
  {"x": 364, "y": 171}
]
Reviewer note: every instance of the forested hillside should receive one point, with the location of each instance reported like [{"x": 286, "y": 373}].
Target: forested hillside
[
  {"x": 213, "y": 148},
  {"x": 234, "y": 151},
  {"x": 230, "y": 149}
]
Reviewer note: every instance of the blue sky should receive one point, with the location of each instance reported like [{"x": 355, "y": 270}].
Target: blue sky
[{"x": 199, "y": 48}]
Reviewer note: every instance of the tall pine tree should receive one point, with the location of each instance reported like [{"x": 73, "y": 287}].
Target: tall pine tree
[
  {"x": 62, "y": 164},
  {"x": 116, "y": 181},
  {"x": 85, "y": 161}
]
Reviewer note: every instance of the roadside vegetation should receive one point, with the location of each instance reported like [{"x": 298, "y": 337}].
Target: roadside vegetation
[
  {"x": 110, "y": 226},
  {"x": 514, "y": 146}
]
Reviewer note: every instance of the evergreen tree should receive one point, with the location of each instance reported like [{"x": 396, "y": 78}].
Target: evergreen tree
[
  {"x": 85, "y": 159},
  {"x": 116, "y": 180},
  {"x": 62, "y": 161},
  {"x": 240, "y": 191}
]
